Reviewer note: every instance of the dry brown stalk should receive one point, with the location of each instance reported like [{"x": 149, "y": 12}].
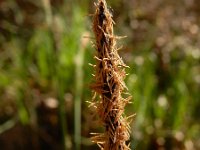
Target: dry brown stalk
[{"x": 109, "y": 84}]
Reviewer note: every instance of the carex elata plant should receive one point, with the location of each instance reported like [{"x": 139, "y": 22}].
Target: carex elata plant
[{"x": 110, "y": 91}]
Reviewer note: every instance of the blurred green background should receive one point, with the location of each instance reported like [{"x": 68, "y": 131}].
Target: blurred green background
[{"x": 45, "y": 76}]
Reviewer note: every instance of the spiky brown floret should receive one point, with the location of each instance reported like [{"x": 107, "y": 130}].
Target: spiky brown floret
[{"x": 109, "y": 84}]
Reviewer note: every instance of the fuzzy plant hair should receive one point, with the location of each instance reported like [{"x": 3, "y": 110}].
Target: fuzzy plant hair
[{"x": 109, "y": 84}]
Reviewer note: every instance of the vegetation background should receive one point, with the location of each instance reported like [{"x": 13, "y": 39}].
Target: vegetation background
[{"x": 45, "y": 76}]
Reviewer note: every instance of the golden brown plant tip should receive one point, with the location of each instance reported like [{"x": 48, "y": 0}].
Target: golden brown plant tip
[{"x": 109, "y": 84}]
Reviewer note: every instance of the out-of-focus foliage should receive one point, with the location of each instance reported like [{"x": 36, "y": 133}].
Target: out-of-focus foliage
[{"x": 45, "y": 76}]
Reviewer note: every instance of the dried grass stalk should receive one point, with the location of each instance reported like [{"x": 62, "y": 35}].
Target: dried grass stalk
[{"x": 109, "y": 84}]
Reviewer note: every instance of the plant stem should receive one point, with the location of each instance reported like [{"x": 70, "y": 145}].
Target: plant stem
[{"x": 79, "y": 59}]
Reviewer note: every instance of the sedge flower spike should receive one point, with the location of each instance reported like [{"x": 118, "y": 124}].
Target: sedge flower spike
[{"x": 109, "y": 84}]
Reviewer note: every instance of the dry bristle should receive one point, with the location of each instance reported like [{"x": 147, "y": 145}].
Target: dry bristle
[{"x": 109, "y": 84}]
